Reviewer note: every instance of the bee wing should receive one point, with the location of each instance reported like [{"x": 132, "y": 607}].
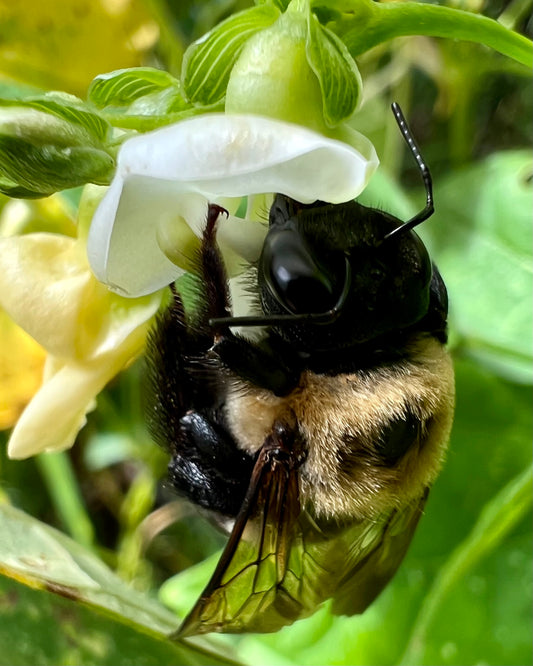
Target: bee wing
[
  {"x": 246, "y": 591},
  {"x": 368, "y": 570},
  {"x": 279, "y": 565}
]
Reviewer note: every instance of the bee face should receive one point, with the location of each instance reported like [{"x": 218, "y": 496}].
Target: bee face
[
  {"x": 320, "y": 439},
  {"x": 308, "y": 259}
]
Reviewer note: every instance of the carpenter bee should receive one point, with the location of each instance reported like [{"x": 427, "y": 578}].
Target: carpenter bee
[{"x": 318, "y": 441}]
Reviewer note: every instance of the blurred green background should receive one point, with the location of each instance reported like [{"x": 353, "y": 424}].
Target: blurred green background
[{"x": 464, "y": 593}]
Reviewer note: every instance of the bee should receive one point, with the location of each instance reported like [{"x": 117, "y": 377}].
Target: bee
[{"x": 316, "y": 442}]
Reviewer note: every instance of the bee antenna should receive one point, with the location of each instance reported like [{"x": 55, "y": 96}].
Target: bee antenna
[{"x": 424, "y": 172}]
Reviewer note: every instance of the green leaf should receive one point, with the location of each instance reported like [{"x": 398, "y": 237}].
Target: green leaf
[
  {"x": 481, "y": 238},
  {"x": 42, "y": 628},
  {"x": 207, "y": 63},
  {"x": 337, "y": 73},
  {"x": 44, "y": 559},
  {"x": 124, "y": 86},
  {"x": 365, "y": 24},
  {"x": 497, "y": 519}
]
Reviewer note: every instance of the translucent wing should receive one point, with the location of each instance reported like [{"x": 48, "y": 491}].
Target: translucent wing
[
  {"x": 279, "y": 564},
  {"x": 247, "y": 591},
  {"x": 367, "y": 571},
  {"x": 348, "y": 563}
]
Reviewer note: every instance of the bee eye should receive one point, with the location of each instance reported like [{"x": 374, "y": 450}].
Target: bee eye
[
  {"x": 397, "y": 438},
  {"x": 415, "y": 282},
  {"x": 298, "y": 282}
]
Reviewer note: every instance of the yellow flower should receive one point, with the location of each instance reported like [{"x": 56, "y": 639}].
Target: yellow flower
[
  {"x": 21, "y": 370},
  {"x": 89, "y": 333}
]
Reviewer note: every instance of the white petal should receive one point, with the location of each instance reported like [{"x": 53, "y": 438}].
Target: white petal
[
  {"x": 122, "y": 246},
  {"x": 236, "y": 155},
  {"x": 215, "y": 155},
  {"x": 244, "y": 237}
]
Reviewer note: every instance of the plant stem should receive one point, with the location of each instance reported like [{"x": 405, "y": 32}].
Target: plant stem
[
  {"x": 367, "y": 24},
  {"x": 58, "y": 475}
]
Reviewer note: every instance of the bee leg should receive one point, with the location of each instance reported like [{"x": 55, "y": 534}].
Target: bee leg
[
  {"x": 174, "y": 381},
  {"x": 216, "y": 299},
  {"x": 207, "y": 467},
  {"x": 259, "y": 365}
]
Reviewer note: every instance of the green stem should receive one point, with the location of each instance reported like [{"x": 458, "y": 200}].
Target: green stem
[
  {"x": 172, "y": 43},
  {"x": 367, "y": 24},
  {"x": 461, "y": 125},
  {"x": 58, "y": 474},
  {"x": 497, "y": 519},
  {"x": 515, "y": 11}
]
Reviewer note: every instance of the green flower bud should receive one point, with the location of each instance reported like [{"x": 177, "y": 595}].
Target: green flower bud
[
  {"x": 272, "y": 76},
  {"x": 49, "y": 144}
]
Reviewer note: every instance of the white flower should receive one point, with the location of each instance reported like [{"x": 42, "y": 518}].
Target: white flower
[{"x": 164, "y": 180}]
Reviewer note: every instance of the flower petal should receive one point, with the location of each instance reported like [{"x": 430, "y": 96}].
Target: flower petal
[
  {"x": 243, "y": 237},
  {"x": 236, "y": 155},
  {"x": 122, "y": 246},
  {"x": 43, "y": 285},
  {"x": 117, "y": 319},
  {"x": 215, "y": 155},
  {"x": 21, "y": 369},
  {"x": 56, "y": 413},
  {"x": 58, "y": 410},
  {"x": 48, "y": 290}
]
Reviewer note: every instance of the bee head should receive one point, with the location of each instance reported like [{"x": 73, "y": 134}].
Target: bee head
[
  {"x": 341, "y": 274},
  {"x": 335, "y": 275}
]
